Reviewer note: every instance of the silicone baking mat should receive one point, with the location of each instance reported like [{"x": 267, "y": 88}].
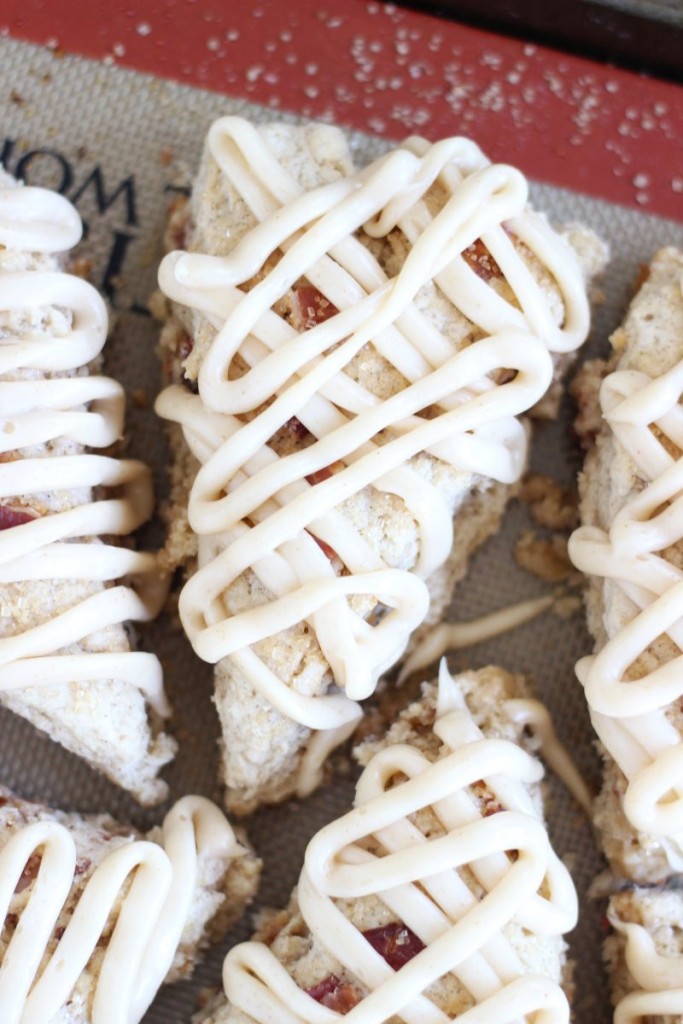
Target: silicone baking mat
[{"x": 121, "y": 144}]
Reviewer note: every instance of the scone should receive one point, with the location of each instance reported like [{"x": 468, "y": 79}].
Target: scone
[
  {"x": 352, "y": 350},
  {"x": 631, "y": 546},
  {"x": 67, "y": 660},
  {"x": 438, "y": 893},
  {"x": 95, "y": 915},
  {"x": 645, "y": 956}
]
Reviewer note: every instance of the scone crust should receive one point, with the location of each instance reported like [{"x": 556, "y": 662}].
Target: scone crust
[{"x": 650, "y": 341}]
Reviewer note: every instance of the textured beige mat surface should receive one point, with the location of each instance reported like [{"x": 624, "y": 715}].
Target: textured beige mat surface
[{"x": 119, "y": 144}]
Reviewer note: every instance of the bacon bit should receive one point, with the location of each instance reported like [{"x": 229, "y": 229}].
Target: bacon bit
[
  {"x": 29, "y": 873},
  {"x": 310, "y": 307},
  {"x": 395, "y": 942},
  {"x": 335, "y": 994},
  {"x": 10, "y": 516},
  {"x": 82, "y": 866},
  {"x": 296, "y": 427},
  {"x": 491, "y": 805},
  {"x": 481, "y": 261},
  {"x": 325, "y": 473},
  {"x": 12, "y": 920},
  {"x": 325, "y": 548},
  {"x": 492, "y": 808}
]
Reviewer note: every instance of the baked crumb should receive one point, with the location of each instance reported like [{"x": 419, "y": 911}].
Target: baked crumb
[
  {"x": 550, "y": 504},
  {"x": 545, "y": 558}
]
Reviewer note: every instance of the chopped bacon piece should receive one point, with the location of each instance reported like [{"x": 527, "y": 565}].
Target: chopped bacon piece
[
  {"x": 10, "y": 516},
  {"x": 481, "y": 261},
  {"x": 325, "y": 548},
  {"x": 335, "y": 994},
  {"x": 296, "y": 427},
  {"x": 492, "y": 808},
  {"x": 483, "y": 793},
  {"x": 310, "y": 307},
  {"x": 395, "y": 942},
  {"x": 29, "y": 873},
  {"x": 325, "y": 472}
]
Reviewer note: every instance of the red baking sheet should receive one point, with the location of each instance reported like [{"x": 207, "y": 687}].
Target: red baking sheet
[{"x": 389, "y": 71}]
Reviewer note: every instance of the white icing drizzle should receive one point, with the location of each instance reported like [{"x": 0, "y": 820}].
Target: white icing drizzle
[
  {"x": 419, "y": 881},
  {"x": 453, "y": 636},
  {"x": 87, "y": 410},
  {"x": 629, "y": 715},
  {"x": 254, "y": 510},
  {"x": 150, "y": 886},
  {"x": 535, "y": 715},
  {"x": 639, "y": 1006},
  {"x": 660, "y": 978}
]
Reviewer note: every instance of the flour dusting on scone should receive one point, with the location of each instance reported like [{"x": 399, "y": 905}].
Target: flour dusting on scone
[
  {"x": 96, "y": 914},
  {"x": 437, "y": 893},
  {"x": 67, "y": 657},
  {"x": 630, "y": 545},
  {"x": 352, "y": 351}
]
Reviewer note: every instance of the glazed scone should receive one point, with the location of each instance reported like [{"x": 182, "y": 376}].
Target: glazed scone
[
  {"x": 645, "y": 956},
  {"x": 352, "y": 350},
  {"x": 67, "y": 658},
  {"x": 437, "y": 893},
  {"x": 631, "y": 546},
  {"x": 95, "y": 914}
]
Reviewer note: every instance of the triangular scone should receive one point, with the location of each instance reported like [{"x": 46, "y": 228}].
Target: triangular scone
[
  {"x": 437, "y": 893},
  {"x": 350, "y": 383},
  {"x": 631, "y": 546},
  {"x": 645, "y": 955},
  {"x": 94, "y": 914},
  {"x": 66, "y": 658}
]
